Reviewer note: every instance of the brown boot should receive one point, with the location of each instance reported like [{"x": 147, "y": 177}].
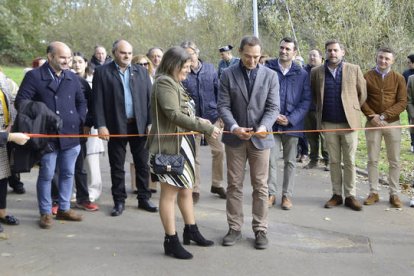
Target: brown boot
[
  {"x": 286, "y": 203},
  {"x": 395, "y": 201},
  {"x": 334, "y": 201},
  {"x": 352, "y": 203},
  {"x": 371, "y": 199},
  {"x": 68, "y": 215},
  {"x": 196, "y": 198},
  {"x": 271, "y": 201},
  {"x": 45, "y": 221}
]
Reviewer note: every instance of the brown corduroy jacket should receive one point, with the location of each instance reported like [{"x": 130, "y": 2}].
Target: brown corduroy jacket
[{"x": 386, "y": 96}]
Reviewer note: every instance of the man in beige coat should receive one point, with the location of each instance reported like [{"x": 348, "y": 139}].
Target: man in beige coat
[{"x": 339, "y": 90}]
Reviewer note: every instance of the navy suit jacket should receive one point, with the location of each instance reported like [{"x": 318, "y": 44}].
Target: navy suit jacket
[
  {"x": 109, "y": 100},
  {"x": 67, "y": 100},
  {"x": 235, "y": 106}
]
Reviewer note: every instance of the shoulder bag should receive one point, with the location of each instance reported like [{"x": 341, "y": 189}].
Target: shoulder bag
[{"x": 162, "y": 163}]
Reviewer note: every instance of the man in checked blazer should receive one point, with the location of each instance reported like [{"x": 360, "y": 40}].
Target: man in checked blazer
[
  {"x": 339, "y": 90},
  {"x": 248, "y": 103}
]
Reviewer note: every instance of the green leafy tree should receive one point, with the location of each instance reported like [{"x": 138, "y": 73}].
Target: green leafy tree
[{"x": 21, "y": 30}]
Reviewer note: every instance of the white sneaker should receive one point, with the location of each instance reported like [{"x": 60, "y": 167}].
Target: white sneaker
[
  {"x": 412, "y": 149},
  {"x": 412, "y": 202}
]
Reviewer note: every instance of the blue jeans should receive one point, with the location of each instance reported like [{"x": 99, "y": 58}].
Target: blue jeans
[{"x": 65, "y": 161}]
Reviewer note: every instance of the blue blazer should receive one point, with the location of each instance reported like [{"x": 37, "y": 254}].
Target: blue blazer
[
  {"x": 295, "y": 97},
  {"x": 202, "y": 87},
  {"x": 235, "y": 107},
  {"x": 67, "y": 100}
]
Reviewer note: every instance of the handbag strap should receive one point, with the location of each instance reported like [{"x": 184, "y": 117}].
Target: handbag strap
[{"x": 158, "y": 126}]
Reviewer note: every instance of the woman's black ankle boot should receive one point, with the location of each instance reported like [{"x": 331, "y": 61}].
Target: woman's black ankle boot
[
  {"x": 191, "y": 233},
  {"x": 173, "y": 248}
]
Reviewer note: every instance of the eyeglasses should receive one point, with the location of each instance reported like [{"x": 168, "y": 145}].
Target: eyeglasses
[{"x": 143, "y": 64}]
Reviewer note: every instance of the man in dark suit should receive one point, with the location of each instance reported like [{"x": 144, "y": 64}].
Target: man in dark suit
[
  {"x": 122, "y": 106},
  {"x": 248, "y": 104},
  {"x": 60, "y": 90}
]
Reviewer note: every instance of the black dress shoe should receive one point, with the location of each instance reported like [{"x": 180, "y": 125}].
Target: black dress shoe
[
  {"x": 19, "y": 190},
  {"x": 219, "y": 190},
  {"x": 118, "y": 209},
  {"x": 147, "y": 206}
]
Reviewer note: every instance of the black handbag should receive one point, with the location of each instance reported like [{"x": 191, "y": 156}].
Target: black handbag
[
  {"x": 168, "y": 164},
  {"x": 162, "y": 163}
]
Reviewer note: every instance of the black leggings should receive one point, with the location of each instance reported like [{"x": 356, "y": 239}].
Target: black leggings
[{"x": 3, "y": 193}]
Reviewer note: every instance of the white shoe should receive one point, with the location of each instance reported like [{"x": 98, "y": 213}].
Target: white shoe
[
  {"x": 412, "y": 149},
  {"x": 412, "y": 202}
]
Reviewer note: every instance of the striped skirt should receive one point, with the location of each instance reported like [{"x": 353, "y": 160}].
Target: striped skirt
[{"x": 185, "y": 180}]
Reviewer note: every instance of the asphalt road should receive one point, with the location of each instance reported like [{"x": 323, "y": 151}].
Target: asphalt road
[{"x": 307, "y": 240}]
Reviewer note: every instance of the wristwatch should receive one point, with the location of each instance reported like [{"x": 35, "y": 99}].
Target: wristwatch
[{"x": 382, "y": 117}]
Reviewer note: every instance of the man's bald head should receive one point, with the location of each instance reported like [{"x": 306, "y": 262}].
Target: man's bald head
[
  {"x": 59, "y": 56},
  {"x": 122, "y": 51}
]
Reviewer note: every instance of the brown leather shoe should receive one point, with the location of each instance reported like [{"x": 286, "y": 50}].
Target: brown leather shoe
[
  {"x": 68, "y": 215},
  {"x": 220, "y": 191},
  {"x": 286, "y": 203},
  {"x": 46, "y": 221},
  {"x": 334, "y": 201},
  {"x": 196, "y": 198},
  {"x": 371, "y": 199},
  {"x": 271, "y": 201},
  {"x": 395, "y": 201},
  {"x": 352, "y": 203}
]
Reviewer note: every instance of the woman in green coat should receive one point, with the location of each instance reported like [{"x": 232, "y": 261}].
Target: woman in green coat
[{"x": 172, "y": 111}]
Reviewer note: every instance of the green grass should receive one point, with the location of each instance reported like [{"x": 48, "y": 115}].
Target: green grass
[
  {"x": 14, "y": 72},
  {"x": 406, "y": 157}
]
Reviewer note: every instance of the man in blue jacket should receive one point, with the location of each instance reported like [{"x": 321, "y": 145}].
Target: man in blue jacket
[
  {"x": 295, "y": 100},
  {"x": 202, "y": 85},
  {"x": 227, "y": 59},
  {"x": 60, "y": 90}
]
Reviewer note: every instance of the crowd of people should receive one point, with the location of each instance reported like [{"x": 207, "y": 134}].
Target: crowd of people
[{"x": 251, "y": 109}]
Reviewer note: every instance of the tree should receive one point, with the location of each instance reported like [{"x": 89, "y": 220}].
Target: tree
[{"x": 21, "y": 26}]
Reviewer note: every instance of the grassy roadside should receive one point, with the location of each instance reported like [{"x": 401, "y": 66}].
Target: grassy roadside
[
  {"x": 14, "y": 72},
  {"x": 407, "y": 158}
]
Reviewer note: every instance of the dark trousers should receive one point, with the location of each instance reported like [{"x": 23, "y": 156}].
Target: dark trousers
[
  {"x": 81, "y": 177},
  {"x": 3, "y": 193},
  {"x": 412, "y": 139},
  {"x": 303, "y": 148},
  {"x": 116, "y": 154},
  {"x": 315, "y": 139},
  {"x": 14, "y": 179}
]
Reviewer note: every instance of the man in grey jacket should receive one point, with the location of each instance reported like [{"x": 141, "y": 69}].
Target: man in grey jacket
[{"x": 248, "y": 104}]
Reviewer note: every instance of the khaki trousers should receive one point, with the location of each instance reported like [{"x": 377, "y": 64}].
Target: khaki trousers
[
  {"x": 342, "y": 146},
  {"x": 259, "y": 168},
  {"x": 217, "y": 161},
  {"x": 392, "y": 138}
]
